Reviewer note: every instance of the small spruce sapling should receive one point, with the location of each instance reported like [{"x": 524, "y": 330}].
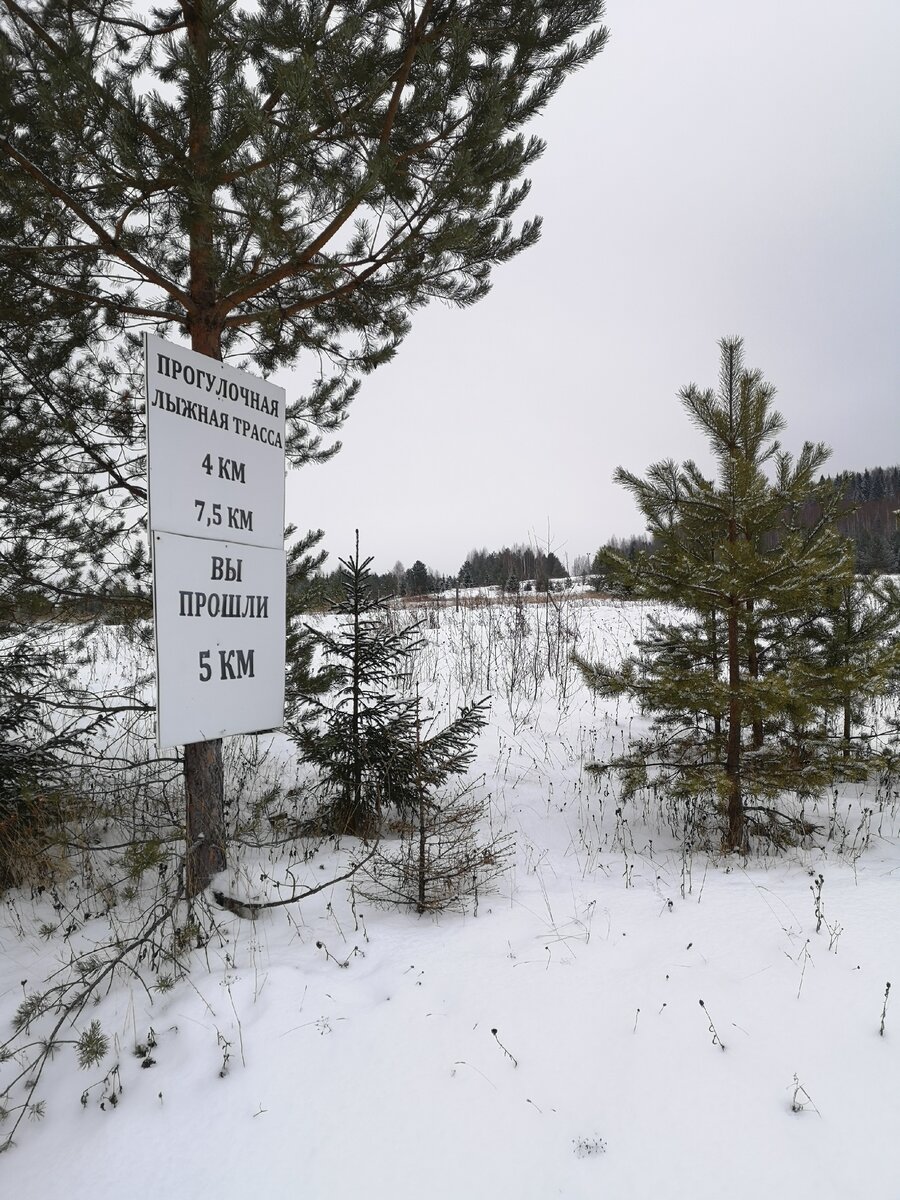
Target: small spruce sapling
[
  {"x": 362, "y": 723},
  {"x": 440, "y": 861}
]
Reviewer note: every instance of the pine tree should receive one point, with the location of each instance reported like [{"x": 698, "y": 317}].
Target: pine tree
[
  {"x": 856, "y": 647},
  {"x": 275, "y": 179},
  {"x": 69, "y": 457},
  {"x": 736, "y": 555},
  {"x": 67, "y": 551}
]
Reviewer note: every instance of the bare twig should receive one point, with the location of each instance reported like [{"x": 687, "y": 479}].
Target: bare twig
[{"x": 252, "y": 907}]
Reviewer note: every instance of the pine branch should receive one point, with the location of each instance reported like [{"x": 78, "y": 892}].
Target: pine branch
[{"x": 105, "y": 239}]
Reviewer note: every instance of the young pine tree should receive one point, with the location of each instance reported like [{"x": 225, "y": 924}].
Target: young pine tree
[
  {"x": 856, "y": 646},
  {"x": 738, "y": 556}
]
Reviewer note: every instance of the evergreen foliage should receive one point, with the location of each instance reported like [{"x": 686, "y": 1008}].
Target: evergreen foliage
[
  {"x": 70, "y": 467},
  {"x": 70, "y": 549},
  {"x": 277, "y": 180},
  {"x": 304, "y": 677},
  {"x": 736, "y": 701},
  {"x": 869, "y": 514},
  {"x": 872, "y": 517},
  {"x": 361, "y": 724},
  {"x": 30, "y": 766},
  {"x": 365, "y": 734},
  {"x": 496, "y": 568},
  {"x": 855, "y": 647},
  {"x": 298, "y": 177},
  {"x": 608, "y": 581},
  {"x": 419, "y": 580},
  {"x": 440, "y": 861},
  {"x": 873, "y": 483},
  {"x": 426, "y": 761}
]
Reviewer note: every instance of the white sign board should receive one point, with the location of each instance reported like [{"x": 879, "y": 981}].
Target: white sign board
[
  {"x": 219, "y": 610},
  {"x": 215, "y": 448},
  {"x": 215, "y": 473}
]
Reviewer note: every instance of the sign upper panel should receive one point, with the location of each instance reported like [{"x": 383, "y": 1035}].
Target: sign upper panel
[{"x": 215, "y": 448}]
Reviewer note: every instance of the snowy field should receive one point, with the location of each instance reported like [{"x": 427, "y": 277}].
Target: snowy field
[{"x": 619, "y": 1018}]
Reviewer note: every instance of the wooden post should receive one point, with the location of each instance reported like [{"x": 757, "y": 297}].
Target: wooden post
[
  {"x": 204, "y": 796},
  {"x": 204, "y": 777},
  {"x": 204, "y": 772}
]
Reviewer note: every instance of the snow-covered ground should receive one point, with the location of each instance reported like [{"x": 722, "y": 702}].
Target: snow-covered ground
[{"x": 617, "y": 1019}]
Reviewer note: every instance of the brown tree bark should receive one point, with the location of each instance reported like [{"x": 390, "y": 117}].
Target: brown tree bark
[
  {"x": 204, "y": 794},
  {"x": 715, "y": 661},
  {"x": 753, "y": 671},
  {"x": 736, "y": 835},
  {"x": 204, "y": 775}
]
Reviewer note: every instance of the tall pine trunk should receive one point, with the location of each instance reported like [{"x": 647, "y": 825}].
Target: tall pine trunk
[
  {"x": 204, "y": 773},
  {"x": 845, "y": 748},
  {"x": 753, "y": 672},
  {"x": 423, "y": 837},
  {"x": 204, "y": 777},
  {"x": 736, "y": 835},
  {"x": 715, "y": 661}
]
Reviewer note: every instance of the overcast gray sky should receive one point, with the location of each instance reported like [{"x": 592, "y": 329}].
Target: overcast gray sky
[{"x": 722, "y": 168}]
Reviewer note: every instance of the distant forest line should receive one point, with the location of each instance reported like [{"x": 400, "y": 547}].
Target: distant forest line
[
  {"x": 512, "y": 568},
  {"x": 873, "y": 496},
  {"x": 872, "y": 503},
  {"x": 871, "y": 520}
]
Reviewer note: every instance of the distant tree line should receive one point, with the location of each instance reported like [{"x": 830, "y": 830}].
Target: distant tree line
[
  {"x": 868, "y": 514},
  {"x": 875, "y": 483},
  {"x": 511, "y": 568},
  {"x": 417, "y": 580},
  {"x": 872, "y": 501}
]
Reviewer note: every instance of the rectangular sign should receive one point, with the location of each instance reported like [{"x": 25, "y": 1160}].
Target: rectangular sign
[
  {"x": 219, "y": 612},
  {"x": 215, "y": 448}
]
